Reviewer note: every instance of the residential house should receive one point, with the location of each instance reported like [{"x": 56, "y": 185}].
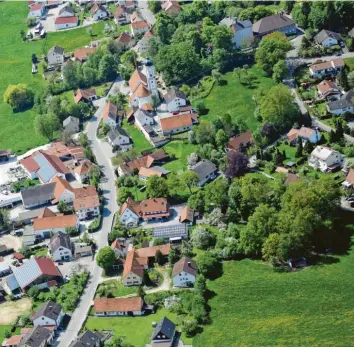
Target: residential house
[
  {"x": 184, "y": 272},
  {"x": 71, "y": 125},
  {"x": 127, "y": 3},
  {"x": 63, "y": 191},
  {"x": 36, "y": 271},
  {"x": 118, "y": 307},
  {"x": 327, "y": 38},
  {"x": 153, "y": 209},
  {"x": 56, "y": 55},
  {"x": 38, "y": 336},
  {"x": 242, "y": 31},
  {"x": 66, "y": 11},
  {"x": 187, "y": 215},
  {"x": 81, "y": 54},
  {"x": 29, "y": 238},
  {"x": 12, "y": 341},
  {"x": 63, "y": 152},
  {"x": 344, "y": 105},
  {"x": 278, "y": 22},
  {"x": 37, "y": 11},
  {"x": 176, "y": 124},
  {"x": 171, "y": 7},
  {"x": 143, "y": 43},
  {"x": 146, "y": 255},
  {"x": 88, "y": 339},
  {"x": 38, "y": 195},
  {"x": 81, "y": 172},
  {"x": 133, "y": 273},
  {"x": 145, "y": 173},
  {"x": 325, "y": 159},
  {"x": 85, "y": 95},
  {"x": 118, "y": 137},
  {"x": 66, "y": 22},
  {"x": 118, "y": 249},
  {"x": 331, "y": 68},
  {"x": 98, "y": 11},
  {"x": 328, "y": 89},
  {"x": 82, "y": 250},
  {"x": 110, "y": 115},
  {"x": 49, "y": 314},
  {"x": 174, "y": 99},
  {"x": 139, "y": 27},
  {"x": 349, "y": 180},
  {"x": 52, "y": 223},
  {"x": 163, "y": 334},
  {"x": 306, "y": 134},
  {"x": 205, "y": 170},
  {"x": 240, "y": 142},
  {"x": 147, "y": 161},
  {"x": 86, "y": 203},
  {"x": 172, "y": 233},
  {"x": 143, "y": 121},
  {"x": 122, "y": 15},
  {"x": 5, "y": 269},
  {"x": 125, "y": 41},
  {"x": 60, "y": 247}
]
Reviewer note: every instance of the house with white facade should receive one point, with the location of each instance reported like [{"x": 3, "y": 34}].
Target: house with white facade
[
  {"x": 139, "y": 27},
  {"x": 205, "y": 170},
  {"x": 175, "y": 99},
  {"x": 331, "y": 68},
  {"x": 344, "y": 105},
  {"x": 143, "y": 43},
  {"x": 122, "y": 15},
  {"x": 110, "y": 115},
  {"x": 66, "y": 22},
  {"x": 177, "y": 123},
  {"x": 98, "y": 11},
  {"x": 66, "y": 11},
  {"x": 306, "y": 134},
  {"x": 86, "y": 203},
  {"x": 118, "y": 137},
  {"x": 125, "y": 41},
  {"x": 56, "y": 56},
  {"x": 60, "y": 247},
  {"x": 327, "y": 38},
  {"x": 81, "y": 172},
  {"x": 108, "y": 307},
  {"x": 325, "y": 159},
  {"x": 328, "y": 89},
  {"x": 184, "y": 273},
  {"x": 71, "y": 125},
  {"x": 37, "y": 11},
  {"x": 63, "y": 191},
  {"x": 50, "y": 314},
  {"x": 242, "y": 32},
  {"x": 133, "y": 273}
]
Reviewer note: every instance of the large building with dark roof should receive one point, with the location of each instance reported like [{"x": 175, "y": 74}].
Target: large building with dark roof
[
  {"x": 38, "y": 195},
  {"x": 50, "y": 314},
  {"x": 278, "y": 22}
]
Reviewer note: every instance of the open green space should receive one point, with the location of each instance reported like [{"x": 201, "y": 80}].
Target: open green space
[
  {"x": 180, "y": 150},
  {"x": 253, "y": 305},
  {"x": 350, "y": 63},
  {"x": 137, "y": 330},
  {"x": 236, "y": 99},
  {"x": 139, "y": 141},
  {"x": 115, "y": 287},
  {"x": 4, "y": 329}
]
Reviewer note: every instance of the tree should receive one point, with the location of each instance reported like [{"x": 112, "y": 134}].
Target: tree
[
  {"x": 200, "y": 285},
  {"x": 238, "y": 73},
  {"x": 202, "y": 238},
  {"x": 94, "y": 171},
  {"x": 274, "y": 248},
  {"x": 308, "y": 148},
  {"x": 237, "y": 164},
  {"x": 18, "y": 96},
  {"x": 189, "y": 179},
  {"x": 192, "y": 159},
  {"x": 123, "y": 194},
  {"x": 351, "y": 79},
  {"x": 216, "y": 194},
  {"x": 4, "y": 219},
  {"x": 343, "y": 79},
  {"x": 140, "y": 292},
  {"x": 197, "y": 202},
  {"x": 23, "y": 35},
  {"x": 299, "y": 149},
  {"x": 159, "y": 258},
  {"x": 164, "y": 27},
  {"x": 154, "y": 6},
  {"x": 106, "y": 258},
  {"x": 64, "y": 207},
  {"x": 33, "y": 292},
  {"x": 46, "y": 125},
  {"x": 158, "y": 241},
  {"x": 173, "y": 256},
  {"x": 156, "y": 187},
  {"x": 204, "y": 132},
  {"x": 107, "y": 68},
  {"x": 208, "y": 264},
  {"x": 272, "y": 48},
  {"x": 280, "y": 70},
  {"x": 201, "y": 108},
  {"x": 221, "y": 138},
  {"x": 262, "y": 222}
]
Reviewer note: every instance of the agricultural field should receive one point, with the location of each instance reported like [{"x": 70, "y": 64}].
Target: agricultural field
[{"x": 311, "y": 307}]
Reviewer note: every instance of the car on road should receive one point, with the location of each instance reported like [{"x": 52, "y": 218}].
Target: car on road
[{"x": 351, "y": 198}]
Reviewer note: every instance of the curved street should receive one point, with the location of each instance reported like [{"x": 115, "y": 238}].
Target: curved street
[{"x": 110, "y": 207}]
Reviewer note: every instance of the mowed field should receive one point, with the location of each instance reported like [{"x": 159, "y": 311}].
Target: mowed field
[
  {"x": 17, "y": 130},
  {"x": 255, "y": 306}
]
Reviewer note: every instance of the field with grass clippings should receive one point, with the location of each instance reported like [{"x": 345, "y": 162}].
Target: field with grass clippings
[{"x": 252, "y": 305}]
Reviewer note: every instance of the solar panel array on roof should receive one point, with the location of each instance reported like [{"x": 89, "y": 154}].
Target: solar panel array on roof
[
  {"x": 46, "y": 171},
  {"x": 171, "y": 231}
]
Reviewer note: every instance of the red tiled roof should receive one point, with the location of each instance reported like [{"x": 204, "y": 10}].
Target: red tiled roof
[
  {"x": 132, "y": 265},
  {"x": 350, "y": 177},
  {"x": 66, "y": 20},
  {"x": 30, "y": 164},
  {"x": 12, "y": 341},
  {"x": 60, "y": 186},
  {"x": 84, "y": 94},
  {"x": 177, "y": 121},
  {"x": 18, "y": 256},
  {"x": 139, "y": 25},
  {"x": 36, "y": 7},
  {"x": 118, "y": 304},
  {"x": 243, "y": 139},
  {"x": 47, "y": 267},
  {"x": 149, "y": 252},
  {"x": 86, "y": 197},
  {"x": 83, "y": 53},
  {"x": 54, "y": 222},
  {"x": 124, "y": 39}
]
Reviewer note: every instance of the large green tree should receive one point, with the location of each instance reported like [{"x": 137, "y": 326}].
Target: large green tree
[
  {"x": 106, "y": 258},
  {"x": 156, "y": 187},
  {"x": 189, "y": 179},
  {"x": 18, "y": 96},
  {"x": 46, "y": 125}
]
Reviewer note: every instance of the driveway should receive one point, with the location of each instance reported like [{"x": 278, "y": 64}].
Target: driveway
[{"x": 86, "y": 263}]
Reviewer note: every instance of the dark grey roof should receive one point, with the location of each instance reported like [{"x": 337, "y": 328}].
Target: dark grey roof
[
  {"x": 239, "y": 25},
  {"x": 29, "y": 214},
  {"x": 67, "y": 8},
  {"x": 187, "y": 265},
  {"x": 49, "y": 309},
  {"x": 351, "y": 33},
  {"x": 140, "y": 115},
  {"x": 90, "y": 338},
  {"x": 174, "y": 93},
  {"x": 323, "y": 34},
  {"x": 35, "y": 337},
  {"x": 60, "y": 239},
  {"x": 71, "y": 119},
  {"x": 165, "y": 327},
  {"x": 171, "y": 231},
  {"x": 57, "y": 50},
  {"x": 345, "y": 101},
  {"x": 116, "y": 132},
  {"x": 272, "y": 23},
  {"x": 38, "y": 194},
  {"x": 203, "y": 169}
]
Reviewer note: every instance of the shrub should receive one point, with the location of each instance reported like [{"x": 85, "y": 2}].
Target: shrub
[{"x": 95, "y": 225}]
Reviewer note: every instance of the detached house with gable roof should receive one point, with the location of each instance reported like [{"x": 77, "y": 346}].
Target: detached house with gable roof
[
  {"x": 98, "y": 12},
  {"x": 143, "y": 43},
  {"x": 331, "y": 68},
  {"x": 110, "y": 115},
  {"x": 163, "y": 334},
  {"x": 176, "y": 124},
  {"x": 306, "y": 134},
  {"x": 71, "y": 125},
  {"x": 118, "y": 307},
  {"x": 122, "y": 15},
  {"x": 133, "y": 273},
  {"x": 139, "y": 27},
  {"x": 81, "y": 172},
  {"x": 85, "y": 95},
  {"x": 328, "y": 89},
  {"x": 327, "y": 38},
  {"x": 174, "y": 99},
  {"x": 60, "y": 247},
  {"x": 118, "y": 137},
  {"x": 86, "y": 203},
  {"x": 343, "y": 105},
  {"x": 205, "y": 170},
  {"x": 184, "y": 273},
  {"x": 241, "y": 30},
  {"x": 56, "y": 55},
  {"x": 50, "y": 314},
  {"x": 278, "y": 22},
  {"x": 325, "y": 159}
]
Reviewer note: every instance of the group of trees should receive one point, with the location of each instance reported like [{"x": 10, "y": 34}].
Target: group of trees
[{"x": 19, "y": 97}]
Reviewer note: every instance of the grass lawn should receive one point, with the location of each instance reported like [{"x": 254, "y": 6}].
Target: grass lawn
[
  {"x": 42, "y": 252},
  {"x": 181, "y": 151},
  {"x": 4, "y": 328},
  {"x": 312, "y": 307},
  {"x": 290, "y": 152},
  {"x": 117, "y": 288},
  {"x": 137, "y": 330},
  {"x": 236, "y": 98},
  {"x": 350, "y": 63},
  {"x": 139, "y": 141}
]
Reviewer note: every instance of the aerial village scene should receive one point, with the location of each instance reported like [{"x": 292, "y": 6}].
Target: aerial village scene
[{"x": 176, "y": 173}]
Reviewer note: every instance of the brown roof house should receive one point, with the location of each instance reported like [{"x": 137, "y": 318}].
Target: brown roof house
[
  {"x": 125, "y": 41},
  {"x": 330, "y": 68},
  {"x": 111, "y": 116},
  {"x": 184, "y": 272},
  {"x": 81, "y": 172},
  {"x": 278, "y": 22},
  {"x": 145, "y": 173},
  {"x": 86, "y": 203},
  {"x": 133, "y": 274},
  {"x": 122, "y": 15},
  {"x": 118, "y": 307},
  {"x": 327, "y": 88},
  {"x": 306, "y": 134},
  {"x": 85, "y": 95},
  {"x": 241, "y": 142},
  {"x": 187, "y": 215},
  {"x": 98, "y": 11},
  {"x": 81, "y": 54},
  {"x": 177, "y": 124},
  {"x": 153, "y": 209},
  {"x": 349, "y": 180}
]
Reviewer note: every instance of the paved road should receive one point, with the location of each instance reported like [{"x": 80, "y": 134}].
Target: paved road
[
  {"x": 145, "y": 12},
  {"x": 108, "y": 186}
]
